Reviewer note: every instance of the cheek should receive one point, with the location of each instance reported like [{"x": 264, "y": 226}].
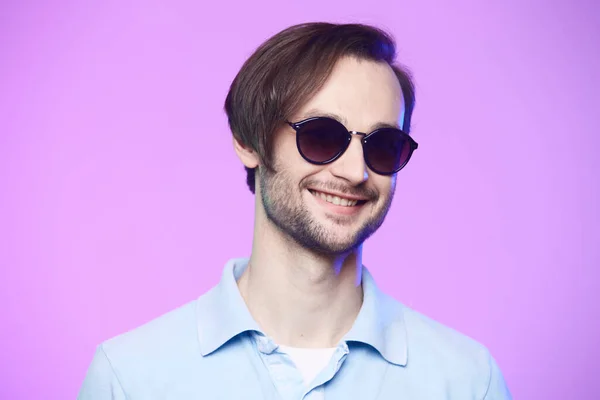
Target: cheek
[
  {"x": 384, "y": 185},
  {"x": 288, "y": 159},
  {"x": 285, "y": 152}
]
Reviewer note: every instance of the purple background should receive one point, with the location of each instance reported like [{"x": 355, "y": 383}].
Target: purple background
[{"x": 121, "y": 197}]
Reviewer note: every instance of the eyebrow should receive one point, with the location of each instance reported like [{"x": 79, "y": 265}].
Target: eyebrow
[{"x": 318, "y": 113}]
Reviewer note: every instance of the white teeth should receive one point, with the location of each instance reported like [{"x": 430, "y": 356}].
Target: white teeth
[{"x": 335, "y": 199}]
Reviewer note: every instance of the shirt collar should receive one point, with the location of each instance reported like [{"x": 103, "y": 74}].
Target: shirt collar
[{"x": 222, "y": 314}]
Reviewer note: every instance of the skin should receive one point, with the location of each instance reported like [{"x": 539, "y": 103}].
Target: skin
[{"x": 303, "y": 282}]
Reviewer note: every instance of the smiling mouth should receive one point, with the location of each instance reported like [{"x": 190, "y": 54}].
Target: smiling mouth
[{"x": 337, "y": 200}]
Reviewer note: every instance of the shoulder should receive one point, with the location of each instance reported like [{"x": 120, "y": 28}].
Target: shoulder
[
  {"x": 145, "y": 358},
  {"x": 438, "y": 349},
  {"x": 167, "y": 330},
  {"x": 428, "y": 336},
  {"x": 157, "y": 347},
  {"x": 442, "y": 357}
]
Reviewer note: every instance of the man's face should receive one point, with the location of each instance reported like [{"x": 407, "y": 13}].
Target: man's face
[{"x": 362, "y": 94}]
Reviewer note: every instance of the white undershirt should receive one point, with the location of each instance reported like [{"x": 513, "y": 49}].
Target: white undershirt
[{"x": 310, "y": 362}]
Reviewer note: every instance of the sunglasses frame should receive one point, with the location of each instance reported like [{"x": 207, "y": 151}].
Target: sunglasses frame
[{"x": 365, "y": 137}]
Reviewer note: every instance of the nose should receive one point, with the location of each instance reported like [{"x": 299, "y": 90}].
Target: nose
[{"x": 351, "y": 165}]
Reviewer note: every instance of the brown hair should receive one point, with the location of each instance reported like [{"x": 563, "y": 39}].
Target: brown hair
[{"x": 290, "y": 67}]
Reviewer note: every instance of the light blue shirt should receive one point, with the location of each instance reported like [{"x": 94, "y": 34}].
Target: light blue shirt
[{"x": 212, "y": 348}]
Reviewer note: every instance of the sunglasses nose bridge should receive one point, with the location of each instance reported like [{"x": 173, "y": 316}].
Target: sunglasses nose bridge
[
  {"x": 357, "y": 133},
  {"x": 361, "y": 136}
]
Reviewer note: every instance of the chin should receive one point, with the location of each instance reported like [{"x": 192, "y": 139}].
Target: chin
[
  {"x": 331, "y": 249},
  {"x": 338, "y": 245}
]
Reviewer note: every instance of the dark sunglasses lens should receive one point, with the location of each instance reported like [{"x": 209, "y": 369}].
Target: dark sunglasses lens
[
  {"x": 321, "y": 140},
  {"x": 387, "y": 150}
]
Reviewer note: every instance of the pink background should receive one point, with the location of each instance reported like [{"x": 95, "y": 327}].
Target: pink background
[{"x": 121, "y": 197}]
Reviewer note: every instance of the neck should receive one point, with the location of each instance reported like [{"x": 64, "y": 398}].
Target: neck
[{"x": 297, "y": 297}]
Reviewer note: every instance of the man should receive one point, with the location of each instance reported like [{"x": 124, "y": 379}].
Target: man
[{"x": 320, "y": 117}]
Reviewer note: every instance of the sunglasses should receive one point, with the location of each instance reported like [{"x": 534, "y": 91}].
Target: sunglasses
[{"x": 322, "y": 140}]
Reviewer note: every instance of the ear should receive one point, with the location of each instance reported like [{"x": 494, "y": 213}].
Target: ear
[{"x": 247, "y": 156}]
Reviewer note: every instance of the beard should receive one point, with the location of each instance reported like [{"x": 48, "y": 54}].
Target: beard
[{"x": 284, "y": 206}]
